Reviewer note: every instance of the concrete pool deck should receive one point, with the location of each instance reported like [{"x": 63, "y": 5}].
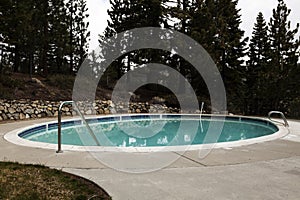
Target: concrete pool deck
[{"x": 268, "y": 170}]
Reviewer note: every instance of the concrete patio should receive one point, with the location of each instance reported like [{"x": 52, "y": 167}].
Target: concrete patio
[{"x": 268, "y": 170}]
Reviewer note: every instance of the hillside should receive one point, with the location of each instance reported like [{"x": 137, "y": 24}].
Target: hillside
[
  {"x": 52, "y": 88},
  {"x": 17, "y": 86}
]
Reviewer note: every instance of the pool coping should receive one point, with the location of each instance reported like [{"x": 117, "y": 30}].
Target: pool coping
[{"x": 13, "y": 137}]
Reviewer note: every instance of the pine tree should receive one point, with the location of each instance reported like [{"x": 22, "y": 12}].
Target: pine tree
[
  {"x": 257, "y": 67},
  {"x": 16, "y": 20},
  {"x": 203, "y": 28},
  {"x": 78, "y": 33},
  {"x": 82, "y": 33},
  {"x": 284, "y": 57},
  {"x": 44, "y": 38},
  {"x": 59, "y": 37},
  {"x": 229, "y": 47},
  {"x": 215, "y": 25},
  {"x": 129, "y": 14}
]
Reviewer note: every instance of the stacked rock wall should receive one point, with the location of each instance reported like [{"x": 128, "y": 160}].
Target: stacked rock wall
[{"x": 28, "y": 109}]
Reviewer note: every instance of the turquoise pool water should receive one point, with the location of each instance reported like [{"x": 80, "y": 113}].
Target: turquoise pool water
[{"x": 142, "y": 131}]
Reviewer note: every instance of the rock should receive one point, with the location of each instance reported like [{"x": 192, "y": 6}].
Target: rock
[
  {"x": 27, "y": 116},
  {"x": 138, "y": 111},
  {"x": 11, "y": 110},
  {"x": 22, "y": 101},
  {"x": 48, "y": 113},
  {"x": 55, "y": 114},
  {"x": 101, "y": 111},
  {"x": 2, "y": 108},
  {"x": 22, "y": 116},
  {"x": 29, "y": 111},
  {"x": 107, "y": 111},
  {"x": 88, "y": 112},
  {"x": 4, "y": 117},
  {"x": 37, "y": 81},
  {"x": 16, "y": 116}
]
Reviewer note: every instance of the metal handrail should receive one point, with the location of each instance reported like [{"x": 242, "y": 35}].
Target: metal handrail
[
  {"x": 282, "y": 116},
  {"x": 59, "y": 150},
  {"x": 201, "y": 110}
]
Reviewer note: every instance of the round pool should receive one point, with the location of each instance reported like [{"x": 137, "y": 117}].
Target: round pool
[{"x": 147, "y": 130}]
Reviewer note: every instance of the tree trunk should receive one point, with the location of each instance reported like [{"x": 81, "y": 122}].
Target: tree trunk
[{"x": 17, "y": 59}]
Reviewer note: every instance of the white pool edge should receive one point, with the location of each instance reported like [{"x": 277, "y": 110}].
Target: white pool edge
[{"x": 13, "y": 137}]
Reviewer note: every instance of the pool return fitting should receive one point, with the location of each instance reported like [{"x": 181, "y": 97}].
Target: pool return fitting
[{"x": 59, "y": 150}]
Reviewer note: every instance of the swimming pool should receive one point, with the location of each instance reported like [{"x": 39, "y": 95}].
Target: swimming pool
[{"x": 153, "y": 130}]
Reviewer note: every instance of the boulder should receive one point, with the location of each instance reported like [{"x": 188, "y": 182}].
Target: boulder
[
  {"x": 4, "y": 117},
  {"x": 106, "y": 111},
  {"x": 48, "y": 113},
  {"x": 22, "y": 116},
  {"x": 88, "y": 112},
  {"x": 16, "y": 116},
  {"x": 29, "y": 111},
  {"x": 11, "y": 110}
]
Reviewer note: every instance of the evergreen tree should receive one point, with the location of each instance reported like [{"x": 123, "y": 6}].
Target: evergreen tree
[
  {"x": 15, "y": 22},
  {"x": 129, "y": 14},
  {"x": 59, "y": 37},
  {"x": 284, "y": 58},
  {"x": 123, "y": 15},
  {"x": 215, "y": 24},
  {"x": 203, "y": 27},
  {"x": 257, "y": 68},
  {"x": 182, "y": 12},
  {"x": 229, "y": 50},
  {"x": 78, "y": 33},
  {"x": 40, "y": 34},
  {"x": 81, "y": 33},
  {"x": 42, "y": 25}
]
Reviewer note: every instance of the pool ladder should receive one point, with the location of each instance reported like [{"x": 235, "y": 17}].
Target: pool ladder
[
  {"x": 282, "y": 116},
  {"x": 59, "y": 150}
]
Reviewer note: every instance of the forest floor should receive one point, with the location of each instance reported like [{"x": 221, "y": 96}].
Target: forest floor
[{"x": 53, "y": 88}]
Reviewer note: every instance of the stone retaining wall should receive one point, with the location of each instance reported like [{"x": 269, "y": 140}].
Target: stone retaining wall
[{"x": 28, "y": 109}]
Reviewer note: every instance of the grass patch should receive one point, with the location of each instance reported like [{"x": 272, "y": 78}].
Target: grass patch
[{"x": 24, "y": 182}]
